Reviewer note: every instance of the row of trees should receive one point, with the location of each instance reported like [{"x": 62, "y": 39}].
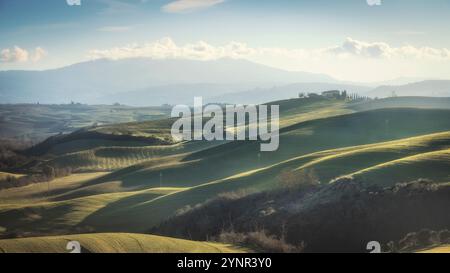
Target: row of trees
[
  {"x": 344, "y": 95},
  {"x": 356, "y": 97}
]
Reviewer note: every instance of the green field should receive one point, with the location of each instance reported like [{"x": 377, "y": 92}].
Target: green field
[
  {"x": 109, "y": 206},
  {"x": 130, "y": 177}
]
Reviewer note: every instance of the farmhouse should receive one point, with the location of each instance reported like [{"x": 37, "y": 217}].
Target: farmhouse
[{"x": 331, "y": 94}]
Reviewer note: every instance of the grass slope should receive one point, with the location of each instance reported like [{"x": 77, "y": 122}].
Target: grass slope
[
  {"x": 43, "y": 191},
  {"x": 62, "y": 217},
  {"x": 353, "y": 160},
  {"x": 432, "y": 165},
  {"x": 140, "y": 196},
  {"x": 292, "y": 111},
  {"x": 137, "y": 210},
  {"x": 302, "y": 139},
  {"x": 115, "y": 243},
  {"x": 100, "y": 149},
  {"x": 149, "y": 213}
]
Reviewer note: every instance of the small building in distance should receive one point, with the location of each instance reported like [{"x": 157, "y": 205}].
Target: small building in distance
[
  {"x": 332, "y": 94},
  {"x": 313, "y": 95}
]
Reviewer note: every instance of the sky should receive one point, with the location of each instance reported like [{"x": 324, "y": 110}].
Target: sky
[{"x": 351, "y": 40}]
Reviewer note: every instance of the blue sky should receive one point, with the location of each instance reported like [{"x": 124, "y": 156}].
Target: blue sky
[{"x": 399, "y": 38}]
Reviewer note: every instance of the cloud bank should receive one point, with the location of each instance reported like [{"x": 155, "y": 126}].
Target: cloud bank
[
  {"x": 39, "y": 54},
  {"x": 14, "y": 55},
  {"x": 352, "y": 60},
  {"x": 186, "y": 6},
  {"x": 166, "y": 48},
  {"x": 20, "y": 55},
  {"x": 353, "y": 47}
]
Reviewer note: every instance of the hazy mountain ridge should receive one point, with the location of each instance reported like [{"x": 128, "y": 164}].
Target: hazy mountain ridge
[
  {"x": 432, "y": 88},
  {"x": 88, "y": 81},
  {"x": 263, "y": 95},
  {"x": 150, "y": 82}
]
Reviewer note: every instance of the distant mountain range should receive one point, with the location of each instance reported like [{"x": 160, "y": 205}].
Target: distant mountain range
[
  {"x": 90, "y": 81},
  {"x": 146, "y": 82},
  {"x": 430, "y": 88}
]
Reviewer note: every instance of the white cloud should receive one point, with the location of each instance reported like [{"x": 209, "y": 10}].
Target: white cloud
[
  {"x": 167, "y": 49},
  {"x": 186, "y": 6},
  {"x": 39, "y": 53},
  {"x": 353, "y": 47},
  {"x": 352, "y": 60},
  {"x": 20, "y": 55},
  {"x": 14, "y": 55}
]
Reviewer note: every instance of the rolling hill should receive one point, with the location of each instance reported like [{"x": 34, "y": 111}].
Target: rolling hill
[
  {"x": 304, "y": 138},
  {"x": 251, "y": 181},
  {"x": 340, "y": 217},
  {"x": 135, "y": 210},
  {"x": 95, "y": 149},
  {"x": 375, "y": 143},
  {"x": 115, "y": 243}
]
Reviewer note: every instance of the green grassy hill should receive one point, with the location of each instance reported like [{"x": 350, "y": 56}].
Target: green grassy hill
[
  {"x": 137, "y": 210},
  {"x": 302, "y": 139},
  {"x": 112, "y": 147},
  {"x": 163, "y": 207},
  {"x": 115, "y": 243},
  {"x": 362, "y": 159},
  {"x": 131, "y": 122},
  {"x": 432, "y": 165},
  {"x": 148, "y": 182},
  {"x": 67, "y": 216}
]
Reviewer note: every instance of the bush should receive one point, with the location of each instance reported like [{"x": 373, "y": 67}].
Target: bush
[
  {"x": 424, "y": 238},
  {"x": 260, "y": 240},
  {"x": 444, "y": 236},
  {"x": 49, "y": 172}
]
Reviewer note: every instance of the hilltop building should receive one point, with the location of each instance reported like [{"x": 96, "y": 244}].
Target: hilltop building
[{"x": 335, "y": 94}]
